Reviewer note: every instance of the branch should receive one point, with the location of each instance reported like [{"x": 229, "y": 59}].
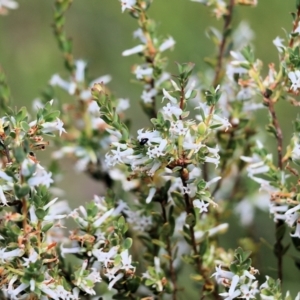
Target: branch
[
  {"x": 169, "y": 250},
  {"x": 227, "y": 23},
  {"x": 278, "y": 247}
]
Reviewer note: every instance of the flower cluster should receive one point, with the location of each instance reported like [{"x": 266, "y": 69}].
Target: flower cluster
[{"x": 169, "y": 188}]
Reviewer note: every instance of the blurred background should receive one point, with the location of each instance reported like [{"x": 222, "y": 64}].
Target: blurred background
[{"x": 29, "y": 56}]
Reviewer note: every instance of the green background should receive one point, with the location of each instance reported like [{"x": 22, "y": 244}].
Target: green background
[{"x": 29, "y": 56}]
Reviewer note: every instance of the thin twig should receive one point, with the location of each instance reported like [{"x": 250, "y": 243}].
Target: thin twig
[
  {"x": 169, "y": 250},
  {"x": 227, "y": 23},
  {"x": 279, "y": 138},
  {"x": 149, "y": 58},
  {"x": 295, "y": 25},
  {"x": 188, "y": 208}
]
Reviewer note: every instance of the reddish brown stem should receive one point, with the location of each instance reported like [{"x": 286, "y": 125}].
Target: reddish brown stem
[
  {"x": 295, "y": 25},
  {"x": 169, "y": 250},
  {"x": 278, "y": 245},
  {"x": 228, "y": 19}
]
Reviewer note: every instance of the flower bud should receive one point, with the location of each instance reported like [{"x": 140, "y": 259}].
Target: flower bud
[{"x": 202, "y": 128}]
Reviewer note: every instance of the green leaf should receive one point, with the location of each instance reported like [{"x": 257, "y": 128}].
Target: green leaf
[
  {"x": 165, "y": 230},
  {"x": 159, "y": 243},
  {"x": 47, "y": 227},
  {"x": 21, "y": 190},
  {"x": 40, "y": 213},
  {"x": 127, "y": 243},
  {"x": 190, "y": 220},
  {"x": 25, "y": 126}
]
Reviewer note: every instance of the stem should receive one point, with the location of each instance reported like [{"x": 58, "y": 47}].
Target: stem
[
  {"x": 279, "y": 137},
  {"x": 227, "y": 23},
  {"x": 278, "y": 245},
  {"x": 169, "y": 250},
  {"x": 24, "y": 213},
  {"x": 295, "y": 25},
  {"x": 5, "y": 92},
  {"x": 64, "y": 42},
  {"x": 149, "y": 58},
  {"x": 188, "y": 209},
  {"x": 181, "y": 100}
]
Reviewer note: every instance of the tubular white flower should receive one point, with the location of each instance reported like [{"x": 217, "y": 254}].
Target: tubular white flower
[
  {"x": 169, "y": 43},
  {"x": 2, "y": 196},
  {"x": 233, "y": 292},
  {"x": 79, "y": 73},
  {"x": 152, "y": 192},
  {"x": 11, "y": 4},
  {"x": 117, "y": 278},
  {"x": 134, "y": 50},
  {"x": 297, "y": 231},
  {"x": 100, "y": 220},
  {"x": 201, "y": 205},
  {"x": 140, "y": 35},
  {"x": 278, "y": 42},
  {"x": 127, "y": 4},
  {"x": 140, "y": 72},
  {"x": 295, "y": 79},
  {"x": 170, "y": 110},
  {"x": 10, "y": 255},
  {"x": 169, "y": 97},
  {"x": 148, "y": 95},
  {"x": 53, "y": 126},
  {"x": 70, "y": 87}
]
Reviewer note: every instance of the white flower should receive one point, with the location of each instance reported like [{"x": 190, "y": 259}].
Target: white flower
[
  {"x": 150, "y": 136},
  {"x": 222, "y": 228},
  {"x": 178, "y": 128},
  {"x": 297, "y": 231},
  {"x": 295, "y": 79},
  {"x": 245, "y": 93},
  {"x": 147, "y": 96},
  {"x": 80, "y": 67},
  {"x": 233, "y": 292},
  {"x": 48, "y": 127},
  {"x": 279, "y": 45},
  {"x": 93, "y": 108},
  {"x": 122, "y": 105},
  {"x": 152, "y": 192},
  {"x": 126, "y": 261},
  {"x": 296, "y": 152},
  {"x": 242, "y": 35},
  {"x": 118, "y": 156},
  {"x": 106, "y": 257},
  {"x": 170, "y": 110},
  {"x": 72, "y": 250},
  {"x": 292, "y": 215},
  {"x": 169, "y": 43},
  {"x": 10, "y": 255},
  {"x": 157, "y": 151},
  {"x": 112, "y": 283},
  {"x": 40, "y": 177},
  {"x": 70, "y": 87},
  {"x": 221, "y": 274},
  {"x": 134, "y": 50},
  {"x": 31, "y": 259},
  {"x": 2, "y": 196},
  {"x": 127, "y": 4},
  {"x": 201, "y": 205},
  {"x": 140, "y": 72},
  {"x": 103, "y": 218},
  {"x": 13, "y": 293},
  {"x": 140, "y": 35},
  {"x": 169, "y": 97},
  {"x": 11, "y": 4}
]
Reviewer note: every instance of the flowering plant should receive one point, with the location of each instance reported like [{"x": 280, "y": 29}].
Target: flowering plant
[{"x": 155, "y": 230}]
